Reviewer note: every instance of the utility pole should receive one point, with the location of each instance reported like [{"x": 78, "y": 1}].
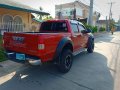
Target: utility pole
[
  {"x": 110, "y": 14},
  {"x": 60, "y": 12},
  {"x": 119, "y": 23},
  {"x": 74, "y": 11},
  {"x": 90, "y": 19},
  {"x": 106, "y": 24}
]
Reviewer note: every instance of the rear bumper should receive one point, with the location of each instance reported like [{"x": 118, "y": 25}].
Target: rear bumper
[
  {"x": 12, "y": 57},
  {"x": 33, "y": 60}
]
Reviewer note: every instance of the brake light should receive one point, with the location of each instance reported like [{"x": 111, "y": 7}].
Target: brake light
[{"x": 41, "y": 46}]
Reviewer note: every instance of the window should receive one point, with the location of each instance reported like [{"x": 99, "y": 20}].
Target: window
[
  {"x": 12, "y": 25},
  {"x": 54, "y": 26},
  {"x": 0, "y": 21},
  {"x": 18, "y": 25},
  {"x": 7, "y": 18},
  {"x": 81, "y": 28},
  {"x": 18, "y": 19},
  {"x": 74, "y": 28},
  {"x": 60, "y": 26},
  {"x": 7, "y": 23}
]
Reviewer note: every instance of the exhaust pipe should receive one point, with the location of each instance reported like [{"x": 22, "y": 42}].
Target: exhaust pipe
[{"x": 35, "y": 62}]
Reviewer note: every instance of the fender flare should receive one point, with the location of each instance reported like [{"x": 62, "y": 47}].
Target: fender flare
[
  {"x": 89, "y": 39},
  {"x": 63, "y": 42}
]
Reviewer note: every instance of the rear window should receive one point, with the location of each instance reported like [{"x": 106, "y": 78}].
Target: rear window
[{"x": 54, "y": 27}]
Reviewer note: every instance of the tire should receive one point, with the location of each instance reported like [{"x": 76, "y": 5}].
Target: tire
[
  {"x": 90, "y": 47},
  {"x": 65, "y": 61}
]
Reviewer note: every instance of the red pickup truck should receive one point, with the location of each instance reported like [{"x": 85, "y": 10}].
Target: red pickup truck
[{"x": 57, "y": 40}]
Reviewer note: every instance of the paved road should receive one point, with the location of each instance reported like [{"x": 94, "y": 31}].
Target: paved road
[{"x": 95, "y": 71}]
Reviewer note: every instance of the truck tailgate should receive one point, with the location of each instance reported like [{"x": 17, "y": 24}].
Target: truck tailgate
[{"x": 21, "y": 42}]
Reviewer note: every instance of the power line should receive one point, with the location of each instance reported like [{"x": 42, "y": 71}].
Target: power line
[
  {"x": 99, "y": 10},
  {"x": 86, "y": 2},
  {"x": 110, "y": 13}
]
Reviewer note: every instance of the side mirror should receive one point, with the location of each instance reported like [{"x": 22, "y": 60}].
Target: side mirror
[
  {"x": 86, "y": 31},
  {"x": 89, "y": 30}
]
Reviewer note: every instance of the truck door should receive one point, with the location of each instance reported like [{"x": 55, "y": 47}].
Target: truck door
[
  {"x": 83, "y": 37},
  {"x": 75, "y": 36}
]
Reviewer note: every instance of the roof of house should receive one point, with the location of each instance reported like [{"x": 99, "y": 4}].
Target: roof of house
[
  {"x": 101, "y": 21},
  {"x": 9, "y": 4},
  {"x": 73, "y": 3},
  {"x": 37, "y": 20}
]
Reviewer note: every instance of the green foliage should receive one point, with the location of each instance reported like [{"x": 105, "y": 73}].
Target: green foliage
[
  {"x": 102, "y": 29},
  {"x": 2, "y": 51},
  {"x": 112, "y": 24},
  {"x": 41, "y": 9},
  {"x": 93, "y": 28},
  {"x": 47, "y": 17}
]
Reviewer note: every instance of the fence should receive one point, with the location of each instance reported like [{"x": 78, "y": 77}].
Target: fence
[{"x": 11, "y": 27}]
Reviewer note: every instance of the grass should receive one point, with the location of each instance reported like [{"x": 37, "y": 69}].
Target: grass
[{"x": 2, "y": 51}]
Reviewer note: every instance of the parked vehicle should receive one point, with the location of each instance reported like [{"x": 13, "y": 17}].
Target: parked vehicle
[{"x": 57, "y": 41}]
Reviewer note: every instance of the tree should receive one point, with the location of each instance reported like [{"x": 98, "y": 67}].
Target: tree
[
  {"x": 41, "y": 9},
  {"x": 112, "y": 23},
  {"x": 39, "y": 15},
  {"x": 47, "y": 17}
]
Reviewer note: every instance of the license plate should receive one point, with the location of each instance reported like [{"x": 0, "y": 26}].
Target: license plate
[{"x": 20, "y": 56}]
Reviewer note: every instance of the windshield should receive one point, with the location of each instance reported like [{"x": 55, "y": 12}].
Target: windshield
[{"x": 53, "y": 27}]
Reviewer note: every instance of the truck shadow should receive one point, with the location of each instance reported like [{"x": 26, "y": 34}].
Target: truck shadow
[{"x": 89, "y": 72}]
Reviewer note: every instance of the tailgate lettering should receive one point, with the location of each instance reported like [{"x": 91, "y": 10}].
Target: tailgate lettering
[{"x": 18, "y": 39}]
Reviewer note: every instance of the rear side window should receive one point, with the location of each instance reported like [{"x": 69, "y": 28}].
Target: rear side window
[
  {"x": 74, "y": 28},
  {"x": 54, "y": 26}
]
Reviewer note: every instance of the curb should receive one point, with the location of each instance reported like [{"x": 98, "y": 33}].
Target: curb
[{"x": 8, "y": 66}]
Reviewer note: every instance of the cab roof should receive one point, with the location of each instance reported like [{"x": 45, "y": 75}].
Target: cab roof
[
  {"x": 60, "y": 20},
  {"x": 75, "y": 22}
]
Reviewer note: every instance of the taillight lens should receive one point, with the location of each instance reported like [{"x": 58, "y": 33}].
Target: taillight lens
[{"x": 41, "y": 46}]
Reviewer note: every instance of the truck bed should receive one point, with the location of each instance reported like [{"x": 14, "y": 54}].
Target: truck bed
[{"x": 27, "y": 43}]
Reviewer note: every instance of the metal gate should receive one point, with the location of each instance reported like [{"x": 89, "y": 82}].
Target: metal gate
[{"x": 11, "y": 27}]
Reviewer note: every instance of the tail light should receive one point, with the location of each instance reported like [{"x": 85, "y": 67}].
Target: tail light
[{"x": 41, "y": 46}]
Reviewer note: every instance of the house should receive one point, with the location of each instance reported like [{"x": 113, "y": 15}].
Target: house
[
  {"x": 16, "y": 17},
  {"x": 67, "y": 10},
  {"x": 74, "y": 10},
  {"x": 102, "y": 24},
  {"x": 118, "y": 25},
  {"x": 35, "y": 26}
]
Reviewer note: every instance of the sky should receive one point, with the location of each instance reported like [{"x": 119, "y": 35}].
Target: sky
[{"x": 101, "y": 6}]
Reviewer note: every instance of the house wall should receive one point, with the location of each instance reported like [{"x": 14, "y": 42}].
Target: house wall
[
  {"x": 35, "y": 26},
  {"x": 81, "y": 10},
  {"x": 26, "y": 17}
]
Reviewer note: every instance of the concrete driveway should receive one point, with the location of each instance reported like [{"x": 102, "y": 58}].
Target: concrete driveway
[{"x": 94, "y": 71}]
